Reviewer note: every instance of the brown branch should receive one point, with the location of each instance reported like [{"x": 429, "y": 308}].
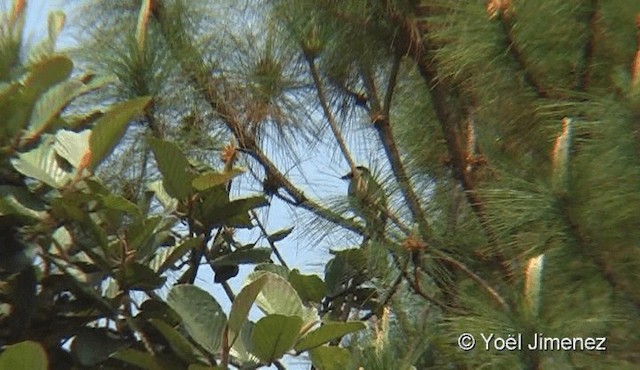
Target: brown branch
[
  {"x": 506, "y": 17},
  {"x": 327, "y": 113},
  {"x": 635, "y": 69},
  {"x": 584, "y": 77},
  {"x": 192, "y": 68},
  {"x": 492, "y": 292},
  {"x": 381, "y": 121},
  {"x": 274, "y": 249},
  {"x": 416, "y": 289}
]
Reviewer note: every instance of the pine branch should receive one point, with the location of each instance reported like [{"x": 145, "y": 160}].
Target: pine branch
[
  {"x": 191, "y": 67},
  {"x": 313, "y": 68},
  {"x": 506, "y": 16},
  {"x": 584, "y": 76},
  {"x": 381, "y": 121}
]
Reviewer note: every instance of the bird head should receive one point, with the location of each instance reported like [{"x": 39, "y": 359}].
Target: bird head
[{"x": 362, "y": 171}]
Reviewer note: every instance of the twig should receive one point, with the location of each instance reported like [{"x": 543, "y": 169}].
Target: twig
[
  {"x": 271, "y": 243},
  {"x": 584, "y": 77},
  {"x": 381, "y": 121},
  {"x": 492, "y": 292}
]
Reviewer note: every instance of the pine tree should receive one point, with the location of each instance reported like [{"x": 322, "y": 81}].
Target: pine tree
[{"x": 504, "y": 135}]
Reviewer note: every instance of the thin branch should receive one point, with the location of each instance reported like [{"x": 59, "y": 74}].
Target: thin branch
[
  {"x": 271, "y": 243},
  {"x": 313, "y": 68},
  {"x": 414, "y": 286},
  {"x": 381, "y": 121},
  {"x": 507, "y": 23},
  {"x": 394, "y": 288},
  {"x": 192, "y": 68},
  {"x": 492, "y": 292},
  {"x": 584, "y": 77}
]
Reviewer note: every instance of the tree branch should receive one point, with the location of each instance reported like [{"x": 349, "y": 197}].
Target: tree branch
[
  {"x": 381, "y": 121},
  {"x": 584, "y": 76}
]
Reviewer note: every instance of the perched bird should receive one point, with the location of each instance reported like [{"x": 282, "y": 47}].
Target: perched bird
[{"x": 367, "y": 200}]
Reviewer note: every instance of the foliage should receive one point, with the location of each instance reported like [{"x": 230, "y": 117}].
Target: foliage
[
  {"x": 503, "y": 136},
  {"x": 75, "y": 256}
]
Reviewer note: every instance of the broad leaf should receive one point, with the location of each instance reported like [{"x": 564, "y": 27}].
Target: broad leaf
[
  {"x": 168, "y": 202},
  {"x": 135, "y": 276},
  {"x": 310, "y": 288},
  {"x": 18, "y": 201},
  {"x": 174, "y": 166},
  {"x": 158, "y": 310},
  {"x": 274, "y": 335},
  {"x": 202, "y": 316},
  {"x": 242, "y": 305},
  {"x": 245, "y": 256},
  {"x": 330, "y": 358},
  {"x": 280, "y": 234},
  {"x": 179, "y": 344},
  {"x": 177, "y": 252},
  {"x": 44, "y": 164},
  {"x": 26, "y": 355},
  {"x": 110, "y": 127},
  {"x": 243, "y": 346},
  {"x": 120, "y": 203},
  {"x": 278, "y": 296},
  {"x": 44, "y": 74},
  {"x": 145, "y": 360},
  {"x": 272, "y": 267},
  {"x": 52, "y": 102},
  {"x": 211, "y": 179},
  {"x": 72, "y": 146},
  {"x": 93, "y": 345},
  {"x": 326, "y": 333}
]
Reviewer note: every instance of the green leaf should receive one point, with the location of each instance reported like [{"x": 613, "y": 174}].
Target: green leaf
[
  {"x": 120, "y": 203},
  {"x": 279, "y": 297},
  {"x": 142, "y": 231},
  {"x": 135, "y": 276},
  {"x": 16, "y": 200},
  {"x": 179, "y": 344},
  {"x": 326, "y": 333},
  {"x": 310, "y": 288},
  {"x": 178, "y": 252},
  {"x": 211, "y": 179},
  {"x": 168, "y": 202},
  {"x": 52, "y": 102},
  {"x": 44, "y": 164},
  {"x": 111, "y": 126},
  {"x": 330, "y": 358},
  {"x": 146, "y": 360},
  {"x": 219, "y": 211},
  {"x": 203, "y": 367},
  {"x": 174, "y": 166},
  {"x": 241, "y": 348},
  {"x": 346, "y": 265},
  {"x": 202, "y": 316},
  {"x": 72, "y": 146},
  {"x": 244, "y": 256},
  {"x": 272, "y": 267},
  {"x": 280, "y": 234},
  {"x": 242, "y": 305},
  {"x": 93, "y": 345},
  {"x": 274, "y": 335},
  {"x": 158, "y": 310},
  {"x": 26, "y": 355},
  {"x": 44, "y": 74}
]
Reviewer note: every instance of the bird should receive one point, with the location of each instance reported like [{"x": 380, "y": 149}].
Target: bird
[{"x": 367, "y": 200}]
